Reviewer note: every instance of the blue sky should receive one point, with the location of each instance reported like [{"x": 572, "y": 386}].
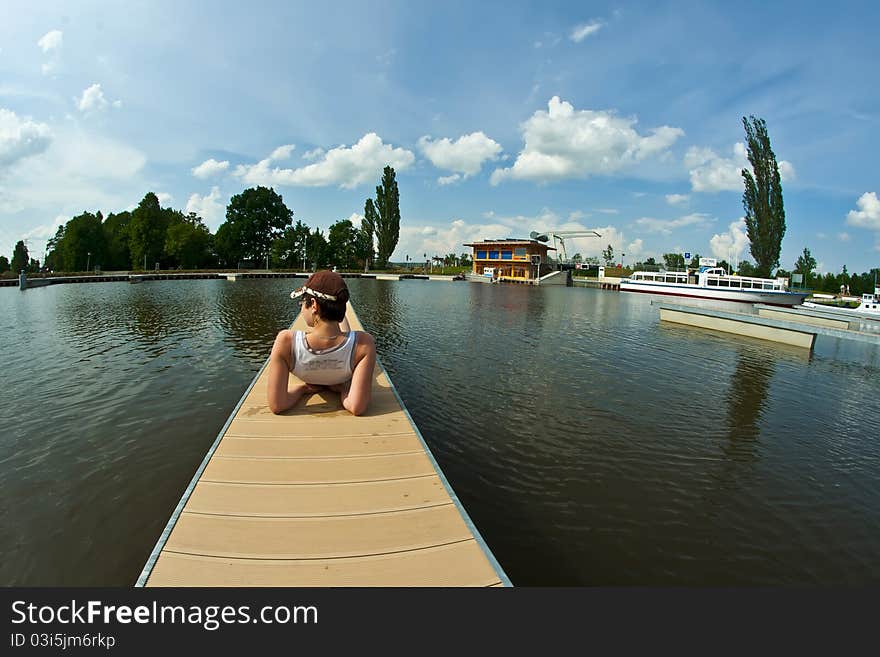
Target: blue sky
[{"x": 499, "y": 118}]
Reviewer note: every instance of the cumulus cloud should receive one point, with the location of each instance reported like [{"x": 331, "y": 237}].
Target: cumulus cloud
[
  {"x": 464, "y": 156},
  {"x": 666, "y": 226},
  {"x": 50, "y": 43},
  {"x": 21, "y": 138},
  {"x": 677, "y": 199},
  {"x": 209, "y": 168},
  {"x": 636, "y": 248},
  {"x": 165, "y": 199},
  {"x": 563, "y": 143},
  {"x": 843, "y": 237},
  {"x": 582, "y": 31},
  {"x": 93, "y": 100},
  {"x": 347, "y": 167},
  {"x": 710, "y": 172},
  {"x": 732, "y": 244},
  {"x": 209, "y": 207},
  {"x": 356, "y": 219},
  {"x": 868, "y": 214}
]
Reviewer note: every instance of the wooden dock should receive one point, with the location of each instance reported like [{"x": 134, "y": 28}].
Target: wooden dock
[{"x": 318, "y": 497}]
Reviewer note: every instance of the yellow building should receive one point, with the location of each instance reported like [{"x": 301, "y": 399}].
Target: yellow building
[{"x": 510, "y": 259}]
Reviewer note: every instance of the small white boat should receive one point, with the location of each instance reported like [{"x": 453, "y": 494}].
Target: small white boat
[
  {"x": 869, "y": 306},
  {"x": 711, "y": 282}
]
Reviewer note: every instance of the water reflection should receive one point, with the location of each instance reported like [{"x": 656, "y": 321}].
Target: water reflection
[{"x": 747, "y": 396}]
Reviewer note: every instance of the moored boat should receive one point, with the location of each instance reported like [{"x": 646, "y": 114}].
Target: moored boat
[
  {"x": 710, "y": 282},
  {"x": 869, "y": 306}
]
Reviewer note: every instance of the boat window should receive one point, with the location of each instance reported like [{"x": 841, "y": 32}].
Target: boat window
[
  {"x": 712, "y": 282},
  {"x": 768, "y": 286},
  {"x": 723, "y": 283},
  {"x": 735, "y": 283},
  {"x": 747, "y": 284}
]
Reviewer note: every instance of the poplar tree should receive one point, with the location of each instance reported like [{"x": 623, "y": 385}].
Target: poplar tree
[
  {"x": 387, "y": 216},
  {"x": 762, "y": 198},
  {"x": 368, "y": 230}
]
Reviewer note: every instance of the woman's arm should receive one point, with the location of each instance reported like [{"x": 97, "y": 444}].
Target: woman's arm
[
  {"x": 356, "y": 395},
  {"x": 280, "y": 398}
]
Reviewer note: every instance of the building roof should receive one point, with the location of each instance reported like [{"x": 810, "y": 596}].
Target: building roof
[{"x": 511, "y": 241}]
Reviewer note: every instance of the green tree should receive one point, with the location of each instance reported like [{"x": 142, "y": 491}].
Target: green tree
[
  {"x": 260, "y": 217},
  {"x": 695, "y": 261},
  {"x": 147, "y": 232},
  {"x": 4, "y": 264},
  {"x": 387, "y": 216},
  {"x": 20, "y": 257},
  {"x": 608, "y": 256},
  {"x": 366, "y": 243},
  {"x": 116, "y": 241},
  {"x": 227, "y": 244},
  {"x": 342, "y": 240},
  {"x": 746, "y": 268},
  {"x": 317, "y": 250},
  {"x": 465, "y": 260},
  {"x": 288, "y": 249},
  {"x": 805, "y": 265},
  {"x": 53, "y": 261},
  {"x": 82, "y": 246},
  {"x": 762, "y": 198},
  {"x": 673, "y": 261},
  {"x": 187, "y": 240}
]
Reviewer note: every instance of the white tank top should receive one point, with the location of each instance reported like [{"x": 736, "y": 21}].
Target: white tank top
[{"x": 324, "y": 367}]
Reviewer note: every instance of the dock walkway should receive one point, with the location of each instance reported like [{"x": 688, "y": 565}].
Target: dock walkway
[{"x": 318, "y": 497}]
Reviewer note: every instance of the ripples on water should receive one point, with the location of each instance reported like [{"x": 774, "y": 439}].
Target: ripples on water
[{"x": 590, "y": 444}]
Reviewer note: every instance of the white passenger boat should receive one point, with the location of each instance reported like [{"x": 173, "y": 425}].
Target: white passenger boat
[
  {"x": 869, "y": 306},
  {"x": 711, "y": 282}
]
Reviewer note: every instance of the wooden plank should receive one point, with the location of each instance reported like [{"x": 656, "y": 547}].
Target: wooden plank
[
  {"x": 303, "y": 500},
  {"x": 317, "y": 470},
  {"x": 458, "y": 564},
  {"x": 321, "y": 424},
  {"x": 317, "y": 538},
  {"x": 309, "y": 447}
]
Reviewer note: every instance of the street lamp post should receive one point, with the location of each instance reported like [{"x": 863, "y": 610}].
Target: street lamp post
[{"x": 89, "y": 260}]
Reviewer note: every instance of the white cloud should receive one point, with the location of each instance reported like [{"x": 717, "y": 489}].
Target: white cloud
[
  {"x": 78, "y": 171},
  {"x": 356, "y": 219},
  {"x": 732, "y": 244},
  {"x": 711, "y": 173},
  {"x": 50, "y": 43},
  {"x": 448, "y": 180},
  {"x": 677, "y": 199},
  {"x": 208, "y": 207},
  {"x": 464, "y": 156},
  {"x": 165, "y": 199},
  {"x": 843, "y": 237},
  {"x": 636, "y": 248},
  {"x": 346, "y": 167},
  {"x": 868, "y": 214},
  {"x": 21, "y": 138},
  {"x": 93, "y": 100},
  {"x": 666, "y": 226},
  {"x": 607, "y": 210},
  {"x": 282, "y": 152},
  {"x": 581, "y": 32},
  {"x": 563, "y": 143},
  {"x": 313, "y": 154},
  {"x": 209, "y": 168}
]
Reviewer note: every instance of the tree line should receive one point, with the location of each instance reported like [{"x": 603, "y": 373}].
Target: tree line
[{"x": 258, "y": 232}]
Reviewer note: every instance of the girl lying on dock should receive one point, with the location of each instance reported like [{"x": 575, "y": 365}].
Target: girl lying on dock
[{"x": 329, "y": 357}]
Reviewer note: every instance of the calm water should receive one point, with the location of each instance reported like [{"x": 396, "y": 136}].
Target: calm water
[{"x": 590, "y": 444}]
